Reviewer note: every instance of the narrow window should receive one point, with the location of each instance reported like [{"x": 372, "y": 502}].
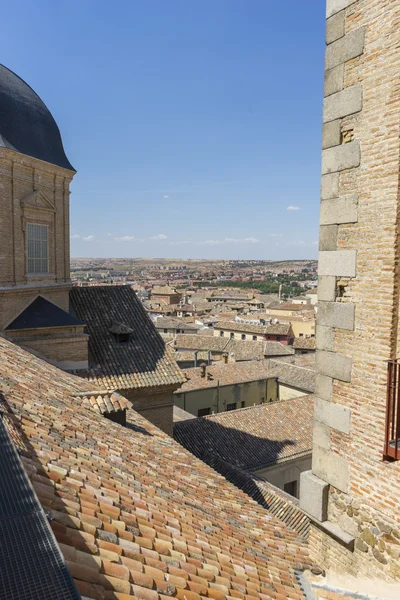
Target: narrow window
[
  {"x": 232, "y": 336},
  {"x": 231, "y": 406},
  {"x": 291, "y": 488},
  {"x": 243, "y": 336},
  {"x": 37, "y": 248},
  {"x": 242, "y": 404},
  {"x": 254, "y": 338},
  {"x": 221, "y": 334}
]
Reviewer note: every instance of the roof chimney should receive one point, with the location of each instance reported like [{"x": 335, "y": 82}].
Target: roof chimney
[{"x": 203, "y": 369}]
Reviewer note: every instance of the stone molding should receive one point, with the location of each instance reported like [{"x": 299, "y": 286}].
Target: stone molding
[
  {"x": 339, "y": 315},
  {"x": 345, "y": 48}
]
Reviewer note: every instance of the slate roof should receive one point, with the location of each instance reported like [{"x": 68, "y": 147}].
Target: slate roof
[
  {"x": 145, "y": 362},
  {"x": 42, "y": 313},
  {"x": 278, "y": 329},
  {"x": 26, "y": 124},
  {"x": 222, "y": 373},
  {"x": 135, "y": 514},
  {"x": 304, "y": 343},
  {"x": 252, "y": 438}
]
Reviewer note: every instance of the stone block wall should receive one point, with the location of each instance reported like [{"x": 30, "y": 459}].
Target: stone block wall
[{"x": 358, "y": 292}]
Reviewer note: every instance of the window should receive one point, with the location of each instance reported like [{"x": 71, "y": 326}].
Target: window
[
  {"x": 202, "y": 412},
  {"x": 301, "y": 334},
  {"x": 231, "y": 406},
  {"x": 123, "y": 338},
  {"x": 291, "y": 488},
  {"x": 221, "y": 334},
  {"x": 165, "y": 330},
  {"x": 242, "y": 404},
  {"x": 254, "y": 338},
  {"x": 232, "y": 336},
  {"x": 37, "y": 248},
  {"x": 243, "y": 336}
]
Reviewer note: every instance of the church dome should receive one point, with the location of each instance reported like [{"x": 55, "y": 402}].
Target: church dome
[{"x": 26, "y": 124}]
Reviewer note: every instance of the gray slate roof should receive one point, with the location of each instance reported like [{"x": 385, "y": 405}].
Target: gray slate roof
[{"x": 26, "y": 124}]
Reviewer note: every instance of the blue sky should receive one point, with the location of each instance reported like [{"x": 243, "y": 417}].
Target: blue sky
[{"x": 194, "y": 125}]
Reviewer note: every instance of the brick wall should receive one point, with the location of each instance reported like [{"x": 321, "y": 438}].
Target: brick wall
[
  {"x": 155, "y": 405},
  {"x": 358, "y": 281}
]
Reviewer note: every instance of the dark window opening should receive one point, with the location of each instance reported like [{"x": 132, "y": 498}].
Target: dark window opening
[
  {"x": 242, "y": 404},
  {"x": 202, "y": 412},
  {"x": 117, "y": 417},
  {"x": 254, "y": 338},
  {"x": 243, "y": 336},
  {"x": 232, "y": 336},
  {"x": 123, "y": 338},
  {"x": 291, "y": 488},
  {"x": 221, "y": 334},
  {"x": 231, "y": 406}
]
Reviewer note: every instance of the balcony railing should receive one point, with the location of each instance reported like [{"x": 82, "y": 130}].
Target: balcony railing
[{"x": 392, "y": 430}]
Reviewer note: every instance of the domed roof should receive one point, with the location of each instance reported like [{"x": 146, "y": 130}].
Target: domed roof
[{"x": 26, "y": 124}]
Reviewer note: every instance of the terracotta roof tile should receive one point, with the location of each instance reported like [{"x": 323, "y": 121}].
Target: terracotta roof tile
[{"x": 163, "y": 504}]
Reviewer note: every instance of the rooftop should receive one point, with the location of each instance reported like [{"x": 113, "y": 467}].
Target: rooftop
[
  {"x": 303, "y": 343},
  {"x": 273, "y": 329},
  {"x": 143, "y": 362},
  {"x": 132, "y": 511},
  {"x": 26, "y": 124},
  {"x": 221, "y": 373},
  {"x": 252, "y": 438}
]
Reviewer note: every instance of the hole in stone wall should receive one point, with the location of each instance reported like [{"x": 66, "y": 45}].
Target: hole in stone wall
[{"x": 347, "y": 136}]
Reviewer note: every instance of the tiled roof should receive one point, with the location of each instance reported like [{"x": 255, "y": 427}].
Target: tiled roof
[
  {"x": 103, "y": 402},
  {"x": 165, "y": 290},
  {"x": 242, "y": 349},
  {"x": 200, "y": 342},
  {"x": 173, "y": 323},
  {"x": 189, "y": 355},
  {"x": 252, "y": 438},
  {"x": 222, "y": 373},
  {"x": 274, "y": 329},
  {"x": 304, "y": 343},
  {"x": 134, "y": 514},
  {"x": 144, "y": 362},
  {"x": 302, "y": 378}
]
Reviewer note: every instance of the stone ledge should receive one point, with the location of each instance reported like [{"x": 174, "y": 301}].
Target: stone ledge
[
  {"x": 313, "y": 495},
  {"x": 336, "y": 533}
]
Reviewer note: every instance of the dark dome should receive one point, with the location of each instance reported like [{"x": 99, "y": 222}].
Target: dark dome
[{"x": 26, "y": 124}]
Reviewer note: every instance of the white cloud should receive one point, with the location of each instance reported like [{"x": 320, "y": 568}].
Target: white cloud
[
  {"x": 160, "y": 236},
  {"x": 227, "y": 240},
  {"x": 125, "y": 238},
  {"x": 166, "y": 197},
  {"x": 87, "y": 238},
  {"x": 293, "y": 208},
  {"x": 275, "y": 234}
]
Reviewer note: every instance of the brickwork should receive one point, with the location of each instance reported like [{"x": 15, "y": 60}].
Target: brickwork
[
  {"x": 65, "y": 351},
  {"x": 156, "y": 406},
  {"x": 359, "y": 279}
]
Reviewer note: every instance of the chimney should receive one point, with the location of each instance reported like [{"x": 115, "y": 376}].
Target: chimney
[
  {"x": 225, "y": 357},
  {"x": 203, "y": 370}
]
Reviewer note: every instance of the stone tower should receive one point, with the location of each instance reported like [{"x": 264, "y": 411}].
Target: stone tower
[
  {"x": 353, "y": 491},
  {"x": 35, "y": 176}
]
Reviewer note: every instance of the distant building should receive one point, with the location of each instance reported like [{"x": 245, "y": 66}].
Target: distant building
[
  {"x": 165, "y": 295},
  {"x": 272, "y": 441},
  {"x": 242, "y": 331},
  {"x": 170, "y": 325}
]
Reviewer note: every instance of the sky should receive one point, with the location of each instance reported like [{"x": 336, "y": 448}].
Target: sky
[{"x": 194, "y": 125}]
